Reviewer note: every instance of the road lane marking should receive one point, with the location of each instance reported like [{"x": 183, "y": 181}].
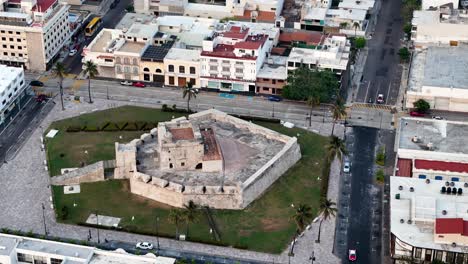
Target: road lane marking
[
  {"x": 387, "y": 99},
  {"x": 367, "y": 91}
]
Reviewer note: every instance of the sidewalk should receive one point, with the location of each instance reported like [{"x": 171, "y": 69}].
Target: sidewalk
[{"x": 21, "y": 197}]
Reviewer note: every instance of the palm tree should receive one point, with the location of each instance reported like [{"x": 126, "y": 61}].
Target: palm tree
[
  {"x": 312, "y": 102},
  {"x": 60, "y": 72},
  {"x": 356, "y": 25},
  {"x": 302, "y": 213},
  {"x": 336, "y": 148},
  {"x": 339, "y": 111},
  {"x": 91, "y": 71},
  {"x": 175, "y": 216},
  {"x": 191, "y": 214},
  {"x": 327, "y": 210},
  {"x": 189, "y": 92}
]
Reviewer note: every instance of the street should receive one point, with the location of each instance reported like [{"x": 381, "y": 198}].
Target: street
[{"x": 382, "y": 72}]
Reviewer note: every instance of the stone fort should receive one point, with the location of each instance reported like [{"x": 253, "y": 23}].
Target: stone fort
[{"x": 211, "y": 158}]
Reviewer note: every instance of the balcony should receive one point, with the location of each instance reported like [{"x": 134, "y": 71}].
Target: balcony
[{"x": 213, "y": 63}]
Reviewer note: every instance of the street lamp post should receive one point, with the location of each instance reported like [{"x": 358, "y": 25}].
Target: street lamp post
[
  {"x": 43, "y": 219},
  {"x": 157, "y": 232},
  {"x": 97, "y": 229},
  {"x": 291, "y": 252},
  {"x": 273, "y": 113},
  {"x": 312, "y": 258}
]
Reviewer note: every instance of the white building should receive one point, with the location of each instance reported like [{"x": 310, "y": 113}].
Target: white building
[
  {"x": 429, "y": 4},
  {"x": 32, "y": 32},
  {"x": 438, "y": 75},
  {"x": 439, "y": 28},
  {"x": 12, "y": 89},
  {"x": 333, "y": 54},
  {"x": 16, "y": 249},
  {"x": 428, "y": 201},
  {"x": 232, "y": 57}
]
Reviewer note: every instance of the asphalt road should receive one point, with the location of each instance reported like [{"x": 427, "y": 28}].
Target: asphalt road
[
  {"x": 109, "y": 20},
  {"x": 382, "y": 72},
  {"x": 364, "y": 232}
]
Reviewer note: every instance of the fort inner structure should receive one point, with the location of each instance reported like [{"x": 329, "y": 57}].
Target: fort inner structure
[{"x": 210, "y": 158}]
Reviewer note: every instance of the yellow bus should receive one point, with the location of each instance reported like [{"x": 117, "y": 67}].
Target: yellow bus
[{"x": 93, "y": 26}]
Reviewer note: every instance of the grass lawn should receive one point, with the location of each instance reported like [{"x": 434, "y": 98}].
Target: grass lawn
[
  {"x": 264, "y": 226},
  {"x": 72, "y": 149}
]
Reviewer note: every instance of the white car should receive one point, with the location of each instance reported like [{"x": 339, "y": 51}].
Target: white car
[
  {"x": 144, "y": 245},
  {"x": 126, "y": 83},
  {"x": 437, "y": 118},
  {"x": 72, "y": 52},
  {"x": 346, "y": 167},
  {"x": 380, "y": 99}
]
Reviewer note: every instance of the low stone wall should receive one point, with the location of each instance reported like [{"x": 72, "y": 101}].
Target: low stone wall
[
  {"x": 261, "y": 180},
  {"x": 90, "y": 173}
]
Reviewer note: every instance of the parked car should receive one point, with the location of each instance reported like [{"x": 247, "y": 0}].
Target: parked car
[
  {"x": 144, "y": 245},
  {"x": 36, "y": 83},
  {"x": 346, "y": 167},
  {"x": 139, "y": 84},
  {"x": 126, "y": 83},
  {"x": 380, "y": 99},
  {"x": 437, "y": 118},
  {"x": 113, "y": 5},
  {"x": 72, "y": 52},
  {"x": 40, "y": 98},
  {"x": 274, "y": 98},
  {"x": 352, "y": 255},
  {"x": 415, "y": 113}
]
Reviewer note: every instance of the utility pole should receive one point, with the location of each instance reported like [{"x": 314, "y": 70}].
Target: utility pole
[
  {"x": 43, "y": 219},
  {"x": 157, "y": 233}
]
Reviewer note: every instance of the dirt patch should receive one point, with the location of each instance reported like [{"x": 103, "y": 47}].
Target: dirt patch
[{"x": 273, "y": 224}]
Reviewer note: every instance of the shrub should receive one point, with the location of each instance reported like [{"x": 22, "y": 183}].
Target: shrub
[
  {"x": 404, "y": 54},
  {"x": 131, "y": 127},
  {"x": 380, "y": 158},
  {"x": 380, "y": 176},
  {"x": 63, "y": 214},
  {"x": 111, "y": 127},
  {"x": 91, "y": 128},
  {"x": 140, "y": 125},
  {"x": 83, "y": 128},
  {"x": 73, "y": 129},
  {"x": 121, "y": 125},
  {"x": 422, "y": 106},
  {"x": 149, "y": 126},
  {"x": 165, "y": 108},
  {"x": 360, "y": 42},
  {"x": 105, "y": 125}
]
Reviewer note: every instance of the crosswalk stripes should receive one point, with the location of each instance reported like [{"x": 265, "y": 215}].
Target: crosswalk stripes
[{"x": 372, "y": 106}]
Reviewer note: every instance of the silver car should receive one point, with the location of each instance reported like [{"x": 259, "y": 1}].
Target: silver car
[
  {"x": 346, "y": 167},
  {"x": 144, "y": 245}
]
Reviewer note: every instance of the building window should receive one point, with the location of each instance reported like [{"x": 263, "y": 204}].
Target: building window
[
  {"x": 290, "y": 63},
  {"x": 13, "y": 54},
  {"x": 55, "y": 261},
  {"x": 182, "y": 164},
  {"x": 170, "y": 68},
  {"x": 5, "y": 53},
  {"x": 12, "y": 47},
  {"x": 225, "y": 61},
  {"x": 226, "y": 69},
  {"x": 438, "y": 255},
  {"x": 3, "y": 38},
  {"x": 135, "y": 61},
  {"x": 126, "y": 61},
  {"x": 135, "y": 70},
  {"x": 40, "y": 260},
  {"x": 192, "y": 81},
  {"x": 24, "y": 258},
  {"x": 19, "y": 47},
  {"x": 417, "y": 253},
  {"x": 10, "y": 32},
  {"x": 2, "y": 31},
  {"x": 181, "y": 69},
  {"x": 450, "y": 257},
  {"x": 18, "y": 40},
  {"x": 118, "y": 68},
  {"x": 158, "y": 71},
  {"x": 126, "y": 69},
  {"x": 11, "y": 39},
  {"x": 213, "y": 60},
  {"x": 265, "y": 89},
  {"x": 18, "y": 33},
  {"x": 4, "y": 46},
  {"x": 192, "y": 70},
  {"x": 239, "y": 70},
  {"x": 118, "y": 60},
  {"x": 213, "y": 68},
  {"x": 171, "y": 80},
  {"x": 146, "y": 70}
]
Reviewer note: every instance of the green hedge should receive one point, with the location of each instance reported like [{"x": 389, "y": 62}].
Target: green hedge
[{"x": 111, "y": 127}]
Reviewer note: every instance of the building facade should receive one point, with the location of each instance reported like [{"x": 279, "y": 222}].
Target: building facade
[
  {"x": 33, "y": 33},
  {"x": 12, "y": 89},
  {"x": 182, "y": 66}
]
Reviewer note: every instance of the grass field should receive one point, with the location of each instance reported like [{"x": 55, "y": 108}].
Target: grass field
[{"x": 264, "y": 226}]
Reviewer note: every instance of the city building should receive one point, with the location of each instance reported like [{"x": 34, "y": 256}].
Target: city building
[
  {"x": 272, "y": 76},
  {"x": 18, "y": 249},
  {"x": 33, "y": 32},
  {"x": 298, "y": 38},
  {"x": 433, "y": 4},
  {"x": 234, "y": 54},
  {"x": 437, "y": 75},
  {"x": 332, "y": 54},
  {"x": 441, "y": 27},
  {"x": 428, "y": 204},
  {"x": 182, "y": 66},
  {"x": 12, "y": 90}
]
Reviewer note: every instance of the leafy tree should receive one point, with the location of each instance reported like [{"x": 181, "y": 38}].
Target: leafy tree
[
  {"x": 175, "y": 217},
  {"x": 189, "y": 92},
  {"x": 360, "y": 43},
  {"x": 327, "y": 210},
  {"x": 380, "y": 176},
  {"x": 407, "y": 29},
  {"x": 421, "y": 105},
  {"x": 301, "y": 215},
  {"x": 344, "y": 25},
  {"x": 339, "y": 111},
  {"x": 404, "y": 54},
  {"x": 60, "y": 72},
  {"x": 91, "y": 71},
  {"x": 190, "y": 215},
  {"x": 380, "y": 157},
  {"x": 130, "y": 9},
  {"x": 336, "y": 148},
  {"x": 304, "y": 83}
]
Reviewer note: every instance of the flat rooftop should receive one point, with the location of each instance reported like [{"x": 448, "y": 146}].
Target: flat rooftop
[
  {"x": 102, "y": 41},
  {"x": 444, "y": 67},
  {"x": 131, "y": 18},
  {"x": 423, "y": 205},
  {"x": 183, "y": 55},
  {"x": 353, "y": 4},
  {"x": 141, "y": 31},
  {"x": 157, "y": 52},
  {"x": 103, "y": 257},
  {"x": 50, "y": 247},
  {"x": 273, "y": 71},
  {"x": 7, "y": 244},
  {"x": 132, "y": 47},
  {"x": 445, "y": 136},
  {"x": 7, "y": 75},
  {"x": 185, "y": 133}
]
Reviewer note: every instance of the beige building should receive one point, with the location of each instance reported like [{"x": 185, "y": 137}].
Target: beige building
[
  {"x": 182, "y": 66},
  {"x": 272, "y": 76},
  {"x": 32, "y": 32}
]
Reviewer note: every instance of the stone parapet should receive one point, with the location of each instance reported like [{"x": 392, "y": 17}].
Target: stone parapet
[{"x": 90, "y": 173}]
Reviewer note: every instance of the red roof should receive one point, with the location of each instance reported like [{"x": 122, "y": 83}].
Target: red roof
[
  {"x": 185, "y": 133},
  {"x": 278, "y": 51},
  {"x": 441, "y": 166},
  {"x": 308, "y": 37},
  {"x": 252, "y": 42},
  {"x": 405, "y": 168},
  {"x": 261, "y": 16},
  {"x": 451, "y": 226},
  {"x": 14, "y": 1},
  {"x": 236, "y": 32},
  {"x": 43, "y": 5}
]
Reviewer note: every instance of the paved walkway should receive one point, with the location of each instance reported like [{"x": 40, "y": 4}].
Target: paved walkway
[{"x": 25, "y": 187}]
